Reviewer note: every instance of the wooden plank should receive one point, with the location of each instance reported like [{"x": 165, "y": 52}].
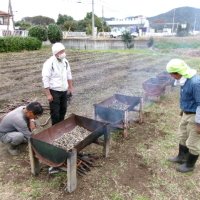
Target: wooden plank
[
  {"x": 141, "y": 110},
  {"x": 125, "y": 132},
  {"x": 34, "y": 162},
  {"x": 95, "y": 113},
  {"x": 71, "y": 171},
  {"x": 106, "y": 143}
]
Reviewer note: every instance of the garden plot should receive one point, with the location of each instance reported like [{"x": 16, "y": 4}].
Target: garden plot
[{"x": 97, "y": 75}]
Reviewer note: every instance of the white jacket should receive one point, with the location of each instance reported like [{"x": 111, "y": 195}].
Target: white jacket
[{"x": 55, "y": 74}]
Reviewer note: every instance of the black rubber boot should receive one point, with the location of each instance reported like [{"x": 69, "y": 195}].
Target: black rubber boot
[
  {"x": 182, "y": 155},
  {"x": 189, "y": 165}
]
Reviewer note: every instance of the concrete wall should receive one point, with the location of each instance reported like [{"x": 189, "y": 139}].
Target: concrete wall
[{"x": 100, "y": 44}]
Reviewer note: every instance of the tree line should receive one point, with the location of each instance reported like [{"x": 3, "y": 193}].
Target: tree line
[{"x": 65, "y": 22}]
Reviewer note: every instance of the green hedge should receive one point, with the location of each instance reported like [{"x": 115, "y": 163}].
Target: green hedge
[
  {"x": 39, "y": 32},
  {"x": 54, "y": 33},
  {"x": 16, "y": 44}
]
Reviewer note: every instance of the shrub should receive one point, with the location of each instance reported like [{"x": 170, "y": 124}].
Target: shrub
[
  {"x": 31, "y": 43},
  {"x": 54, "y": 33},
  {"x": 39, "y": 32},
  {"x": 16, "y": 44},
  {"x": 13, "y": 44},
  {"x": 127, "y": 39},
  {"x": 150, "y": 42},
  {"x": 2, "y": 45}
]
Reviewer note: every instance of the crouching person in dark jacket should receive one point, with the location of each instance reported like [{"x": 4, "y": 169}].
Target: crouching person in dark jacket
[{"x": 16, "y": 127}]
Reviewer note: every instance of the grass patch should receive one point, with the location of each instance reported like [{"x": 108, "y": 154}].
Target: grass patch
[
  {"x": 34, "y": 191},
  {"x": 58, "y": 180},
  {"x": 177, "y": 42},
  {"x": 167, "y": 183},
  {"x": 116, "y": 196}
]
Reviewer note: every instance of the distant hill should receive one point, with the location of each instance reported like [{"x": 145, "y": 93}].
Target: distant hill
[{"x": 180, "y": 15}]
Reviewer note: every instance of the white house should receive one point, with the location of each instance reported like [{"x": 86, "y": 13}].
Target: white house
[
  {"x": 6, "y": 22},
  {"x": 131, "y": 24},
  {"x": 7, "y": 27}
]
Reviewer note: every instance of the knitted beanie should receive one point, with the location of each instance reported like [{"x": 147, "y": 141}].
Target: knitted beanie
[{"x": 57, "y": 47}]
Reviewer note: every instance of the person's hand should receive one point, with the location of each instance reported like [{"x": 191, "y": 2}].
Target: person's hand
[
  {"x": 50, "y": 97},
  {"x": 32, "y": 124},
  {"x": 70, "y": 90},
  {"x": 198, "y": 128}
]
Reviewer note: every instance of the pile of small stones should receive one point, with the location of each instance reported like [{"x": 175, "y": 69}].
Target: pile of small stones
[
  {"x": 70, "y": 139},
  {"x": 118, "y": 105}
]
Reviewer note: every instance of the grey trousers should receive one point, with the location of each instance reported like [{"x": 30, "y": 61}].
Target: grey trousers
[
  {"x": 13, "y": 138},
  {"x": 188, "y": 135}
]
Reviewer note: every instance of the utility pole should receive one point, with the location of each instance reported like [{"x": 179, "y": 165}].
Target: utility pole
[
  {"x": 93, "y": 24},
  {"x": 195, "y": 21},
  {"x": 173, "y": 20},
  {"x": 10, "y": 12},
  {"x": 102, "y": 20}
]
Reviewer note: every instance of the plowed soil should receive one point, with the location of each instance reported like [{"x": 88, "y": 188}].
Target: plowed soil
[{"x": 97, "y": 76}]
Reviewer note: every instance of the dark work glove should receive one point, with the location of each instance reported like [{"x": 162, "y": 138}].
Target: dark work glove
[{"x": 69, "y": 98}]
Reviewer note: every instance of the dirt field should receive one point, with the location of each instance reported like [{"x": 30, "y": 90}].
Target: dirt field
[{"x": 126, "y": 173}]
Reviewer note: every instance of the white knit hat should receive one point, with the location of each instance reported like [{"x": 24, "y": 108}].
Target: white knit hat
[{"x": 57, "y": 47}]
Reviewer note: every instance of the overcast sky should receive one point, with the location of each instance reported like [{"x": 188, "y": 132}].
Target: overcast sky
[{"x": 107, "y": 8}]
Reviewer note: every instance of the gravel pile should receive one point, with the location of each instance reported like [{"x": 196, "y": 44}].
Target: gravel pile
[{"x": 70, "y": 139}]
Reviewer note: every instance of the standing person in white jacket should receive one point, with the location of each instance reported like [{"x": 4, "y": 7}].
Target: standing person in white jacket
[{"x": 57, "y": 81}]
